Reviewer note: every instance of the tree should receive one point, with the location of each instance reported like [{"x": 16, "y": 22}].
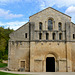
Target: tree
[{"x": 4, "y": 37}]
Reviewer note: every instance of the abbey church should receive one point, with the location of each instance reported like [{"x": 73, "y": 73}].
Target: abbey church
[{"x": 45, "y": 44}]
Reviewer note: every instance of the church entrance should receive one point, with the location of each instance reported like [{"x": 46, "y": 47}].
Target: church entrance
[{"x": 50, "y": 64}]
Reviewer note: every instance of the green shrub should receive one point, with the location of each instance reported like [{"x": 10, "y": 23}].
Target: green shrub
[
  {"x": 5, "y": 57},
  {"x": 2, "y": 65},
  {"x": 1, "y": 60}
]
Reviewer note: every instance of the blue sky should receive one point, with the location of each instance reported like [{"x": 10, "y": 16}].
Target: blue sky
[{"x": 15, "y": 13}]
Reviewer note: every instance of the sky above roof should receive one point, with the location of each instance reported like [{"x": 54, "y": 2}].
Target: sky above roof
[{"x": 15, "y": 13}]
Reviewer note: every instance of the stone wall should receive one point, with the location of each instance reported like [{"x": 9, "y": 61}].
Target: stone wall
[
  {"x": 19, "y": 34},
  {"x": 44, "y": 15},
  {"x": 19, "y": 48},
  {"x": 39, "y": 52},
  {"x": 18, "y": 52},
  {"x": 73, "y": 55},
  {"x": 34, "y": 51}
]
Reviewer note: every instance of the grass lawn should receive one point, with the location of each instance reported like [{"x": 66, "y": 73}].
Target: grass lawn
[
  {"x": 4, "y": 73},
  {"x": 2, "y": 65}
]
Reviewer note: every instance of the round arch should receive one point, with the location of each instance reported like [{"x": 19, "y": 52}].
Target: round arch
[
  {"x": 50, "y": 23},
  {"x": 50, "y": 18},
  {"x": 55, "y": 56},
  {"x": 60, "y": 26}
]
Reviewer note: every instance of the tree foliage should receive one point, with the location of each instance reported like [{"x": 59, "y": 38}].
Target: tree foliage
[{"x": 4, "y": 37}]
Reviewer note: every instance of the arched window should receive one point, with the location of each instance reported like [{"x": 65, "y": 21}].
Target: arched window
[
  {"x": 60, "y": 36},
  {"x": 40, "y": 36},
  {"x": 50, "y": 24},
  {"x": 47, "y": 36},
  {"x": 53, "y": 36},
  {"x": 60, "y": 25},
  {"x": 40, "y": 25}
]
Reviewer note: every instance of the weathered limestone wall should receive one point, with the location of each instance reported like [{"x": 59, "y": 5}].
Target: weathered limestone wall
[
  {"x": 73, "y": 56},
  {"x": 71, "y": 43},
  {"x": 35, "y": 59},
  {"x": 44, "y": 15},
  {"x": 39, "y": 51},
  {"x": 19, "y": 48},
  {"x": 19, "y": 34},
  {"x": 72, "y": 31},
  {"x": 69, "y": 56},
  {"x": 18, "y": 52}
]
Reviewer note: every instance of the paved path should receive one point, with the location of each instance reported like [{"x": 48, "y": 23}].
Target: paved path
[
  {"x": 41, "y": 73},
  {"x": 2, "y": 68}
]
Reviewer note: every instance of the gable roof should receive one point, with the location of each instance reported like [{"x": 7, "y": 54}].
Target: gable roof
[
  {"x": 72, "y": 23},
  {"x": 53, "y": 9},
  {"x": 18, "y": 28}
]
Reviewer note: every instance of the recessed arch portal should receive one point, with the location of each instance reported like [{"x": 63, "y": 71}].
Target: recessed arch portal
[{"x": 52, "y": 62}]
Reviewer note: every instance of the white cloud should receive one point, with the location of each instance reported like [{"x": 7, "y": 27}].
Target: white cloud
[
  {"x": 8, "y": 15},
  {"x": 70, "y": 4},
  {"x": 12, "y": 25},
  {"x": 58, "y": 3},
  {"x": 44, "y": 3},
  {"x": 71, "y": 11}
]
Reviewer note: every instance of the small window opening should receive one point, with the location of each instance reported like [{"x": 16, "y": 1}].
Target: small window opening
[
  {"x": 40, "y": 25},
  {"x": 25, "y": 35},
  {"x": 60, "y": 26},
  {"x": 22, "y": 64},
  {"x": 47, "y": 36},
  {"x": 53, "y": 36},
  {"x": 40, "y": 36},
  {"x": 73, "y": 36},
  {"x": 60, "y": 36}
]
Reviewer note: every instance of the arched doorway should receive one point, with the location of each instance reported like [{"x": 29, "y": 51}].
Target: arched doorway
[{"x": 50, "y": 64}]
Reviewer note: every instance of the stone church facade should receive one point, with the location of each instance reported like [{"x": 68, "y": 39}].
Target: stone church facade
[{"x": 45, "y": 44}]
